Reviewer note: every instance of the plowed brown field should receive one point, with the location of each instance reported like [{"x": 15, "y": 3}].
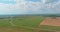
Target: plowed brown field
[{"x": 51, "y": 22}]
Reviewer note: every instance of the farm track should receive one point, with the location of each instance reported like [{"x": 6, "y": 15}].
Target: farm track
[{"x": 12, "y": 23}]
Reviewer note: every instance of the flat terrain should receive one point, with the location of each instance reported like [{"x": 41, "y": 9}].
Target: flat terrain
[
  {"x": 29, "y": 24},
  {"x": 51, "y": 22},
  {"x": 20, "y": 24},
  {"x": 50, "y": 25}
]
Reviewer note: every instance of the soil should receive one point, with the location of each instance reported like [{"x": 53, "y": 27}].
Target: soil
[{"x": 51, "y": 22}]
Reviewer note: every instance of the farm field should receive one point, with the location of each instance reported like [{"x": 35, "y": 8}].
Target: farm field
[
  {"x": 50, "y": 25},
  {"x": 46, "y": 28},
  {"x": 29, "y": 24},
  {"x": 20, "y": 24}
]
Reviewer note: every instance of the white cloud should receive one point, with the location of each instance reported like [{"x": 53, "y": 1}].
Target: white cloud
[
  {"x": 51, "y": 7},
  {"x": 12, "y": 8},
  {"x": 23, "y": 6}
]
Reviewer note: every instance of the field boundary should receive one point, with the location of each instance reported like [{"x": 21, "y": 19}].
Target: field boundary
[{"x": 37, "y": 29}]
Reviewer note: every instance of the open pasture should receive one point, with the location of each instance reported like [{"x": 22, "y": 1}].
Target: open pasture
[{"x": 20, "y": 24}]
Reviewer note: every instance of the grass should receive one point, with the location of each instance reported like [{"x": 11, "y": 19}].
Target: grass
[
  {"x": 47, "y": 28},
  {"x": 29, "y": 22},
  {"x": 23, "y": 24},
  {"x": 57, "y": 28}
]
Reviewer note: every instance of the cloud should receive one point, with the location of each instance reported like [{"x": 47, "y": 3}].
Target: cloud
[
  {"x": 49, "y": 6},
  {"x": 17, "y": 8},
  {"x": 30, "y": 7}
]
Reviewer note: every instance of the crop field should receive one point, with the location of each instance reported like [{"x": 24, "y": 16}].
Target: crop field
[
  {"x": 50, "y": 24},
  {"x": 20, "y": 24},
  {"x": 28, "y": 24},
  {"x": 46, "y": 28}
]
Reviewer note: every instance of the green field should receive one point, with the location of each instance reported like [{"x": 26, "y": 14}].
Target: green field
[
  {"x": 20, "y": 24},
  {"x": 48, "y": 28},
  {"x": 25, "y": 24}
]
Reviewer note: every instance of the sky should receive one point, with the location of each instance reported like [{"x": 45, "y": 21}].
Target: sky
[{"x": 29, "y": 6}]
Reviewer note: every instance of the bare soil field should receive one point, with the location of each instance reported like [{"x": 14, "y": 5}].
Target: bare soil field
[{"x": 51, "y": 22}]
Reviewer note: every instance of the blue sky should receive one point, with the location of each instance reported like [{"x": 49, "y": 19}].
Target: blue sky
[
  {"x": 29, "y": 6},
  {"x": 7, "y": 1}
]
